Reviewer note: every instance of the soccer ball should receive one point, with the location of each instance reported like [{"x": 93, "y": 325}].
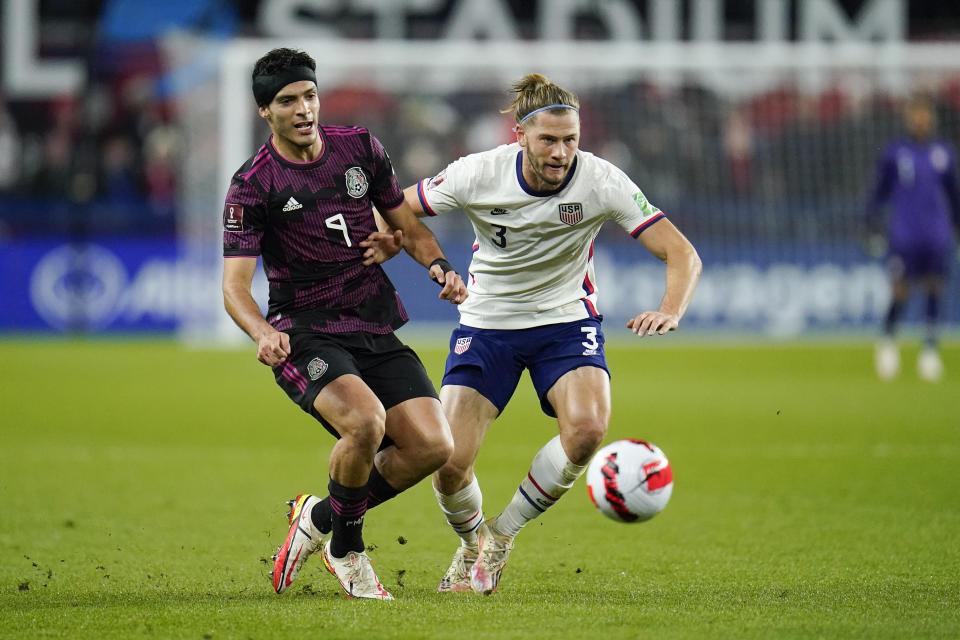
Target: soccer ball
[{"x": 630, "y": 480}]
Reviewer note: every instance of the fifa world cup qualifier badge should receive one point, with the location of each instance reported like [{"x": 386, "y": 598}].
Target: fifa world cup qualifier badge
[
  {"x": 437, "y": 180},
  {"x": 233, "y": 217},
  {"x": 356, "y": 181}
]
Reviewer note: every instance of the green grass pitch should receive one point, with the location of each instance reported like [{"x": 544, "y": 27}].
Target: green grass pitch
[{"x": 142, "y": 489}]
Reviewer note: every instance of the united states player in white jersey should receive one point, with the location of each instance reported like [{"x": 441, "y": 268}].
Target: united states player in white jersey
[
  {"x": 536, "y": 207},
  {"x": 533, "y": 255}
]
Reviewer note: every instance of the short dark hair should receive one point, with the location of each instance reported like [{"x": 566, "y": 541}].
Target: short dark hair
[
  {"x": 282, "y": 58},
  {"x": 278, "y": 68}
]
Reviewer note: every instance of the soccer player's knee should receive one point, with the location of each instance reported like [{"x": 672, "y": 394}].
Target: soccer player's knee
[
  {"x": 365, "y": 428},
  {"x": 435, "y": 446},
  {"x": 451, "y": 477},
  {"x": 437, "y": 452},
  {"x": 586, "y": 436}
]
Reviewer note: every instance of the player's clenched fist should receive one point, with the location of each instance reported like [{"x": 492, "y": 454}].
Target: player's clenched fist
[
  {"x": 454, "y": 289},
  {"x": 443, "y": 274},
  {"x": 273, "y": 348}
]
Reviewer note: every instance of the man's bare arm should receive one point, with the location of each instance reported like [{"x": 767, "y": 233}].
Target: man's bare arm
[
  {"x": 273, "y": 346},
  {"x": 665, "y": 241}
]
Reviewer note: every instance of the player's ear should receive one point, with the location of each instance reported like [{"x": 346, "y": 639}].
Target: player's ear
[
  {"x": 521, "y": 135},
  {"x": 264, "y": 112}
]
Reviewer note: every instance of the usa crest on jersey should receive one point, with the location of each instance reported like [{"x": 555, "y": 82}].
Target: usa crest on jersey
[
  {"x": 462, "y": 345},
  {"x": 571, "y": 213}
]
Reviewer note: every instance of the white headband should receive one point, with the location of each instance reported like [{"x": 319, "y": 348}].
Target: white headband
[{"x": 549, "y": 106}]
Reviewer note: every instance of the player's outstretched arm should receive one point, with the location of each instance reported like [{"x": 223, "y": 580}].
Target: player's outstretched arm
[
  {"x": 666, "y": 242},
  {"x": 273, "y": 346},
  {"x": 423, "y": 247}
]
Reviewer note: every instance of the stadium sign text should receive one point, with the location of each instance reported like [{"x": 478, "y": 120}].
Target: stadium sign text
[
  {"x": 147, "y": 285},
  {"x": 27, "y": 75},
  {"x": 622, "y": 20}
]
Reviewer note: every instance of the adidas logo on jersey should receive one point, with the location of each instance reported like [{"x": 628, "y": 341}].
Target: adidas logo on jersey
[{"x": 292, "y": 205}]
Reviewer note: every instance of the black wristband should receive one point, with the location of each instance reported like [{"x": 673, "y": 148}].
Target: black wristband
[{"x": 444, "y": 264}]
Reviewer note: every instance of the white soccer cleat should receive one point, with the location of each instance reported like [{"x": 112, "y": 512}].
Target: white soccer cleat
[
  {"x": 929, "y": 365},
  {"x": 457, "y": 577},
  {"x": 302, "y": 540},
  {"x": 886, "y": 358},
  {"x": 355, "y": 574},
  {"x": 494, "y": 550}
]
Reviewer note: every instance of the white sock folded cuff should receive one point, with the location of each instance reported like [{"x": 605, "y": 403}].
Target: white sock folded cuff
[{"x": 463, "y": 510}]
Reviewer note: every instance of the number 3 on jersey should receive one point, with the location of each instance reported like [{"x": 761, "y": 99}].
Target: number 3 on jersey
[
  {"x": 339, "y": 224},
  {"x": 500, "y": 237}
]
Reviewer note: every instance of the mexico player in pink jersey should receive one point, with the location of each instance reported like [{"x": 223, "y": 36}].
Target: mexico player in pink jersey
[{"x": 303, "y": 203}]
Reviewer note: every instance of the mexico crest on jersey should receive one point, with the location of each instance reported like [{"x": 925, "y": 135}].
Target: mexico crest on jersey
[
  {"x": 316, "y": 368},
  {"x": 462, "y": 345},
  {"x": 357, "y": 184},
  {"x": 571, "y": 213}
]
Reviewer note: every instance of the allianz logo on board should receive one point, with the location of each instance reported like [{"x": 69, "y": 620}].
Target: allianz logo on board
[{"x": 88, "y": 285}]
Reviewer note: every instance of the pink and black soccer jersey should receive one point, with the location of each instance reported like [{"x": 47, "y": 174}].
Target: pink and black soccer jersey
[{"x": 307, "y": 221}]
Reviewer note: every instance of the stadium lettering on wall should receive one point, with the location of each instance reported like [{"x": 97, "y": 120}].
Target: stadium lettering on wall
[
  {"x": 881, "y": 21},
  {"x": 571, "y": 213}
]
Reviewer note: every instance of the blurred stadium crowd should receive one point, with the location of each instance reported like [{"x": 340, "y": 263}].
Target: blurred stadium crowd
[
  {"x": 785, "y": 164},
  {"x": 106, "y": 160}
]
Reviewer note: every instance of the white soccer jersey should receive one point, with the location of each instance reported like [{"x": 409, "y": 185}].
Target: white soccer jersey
[{"x": 533, "y": 253}]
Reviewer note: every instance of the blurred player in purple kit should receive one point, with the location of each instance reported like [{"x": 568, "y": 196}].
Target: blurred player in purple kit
[
  {"x": 917, "y": 176},
  {"x": 303, "y": 203}
]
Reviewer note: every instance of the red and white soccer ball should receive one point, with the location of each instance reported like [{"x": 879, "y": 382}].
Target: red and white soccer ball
[{"x": 630, "y": 480}]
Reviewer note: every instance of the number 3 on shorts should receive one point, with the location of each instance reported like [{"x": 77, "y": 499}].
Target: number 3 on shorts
[{"x": 590, "y": 343}]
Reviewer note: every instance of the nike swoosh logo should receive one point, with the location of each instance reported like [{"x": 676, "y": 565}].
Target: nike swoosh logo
[{"x": 293, "y": 564}]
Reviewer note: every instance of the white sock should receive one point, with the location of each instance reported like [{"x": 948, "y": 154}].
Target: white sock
[
  {"x": 551, "y": 474},
  {"x": 464, "y": 512}
]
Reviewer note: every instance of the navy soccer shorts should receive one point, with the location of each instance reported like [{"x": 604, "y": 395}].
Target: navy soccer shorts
[
  {"x": 492, "y": 360},
  {"x": 390, "y": 368}
]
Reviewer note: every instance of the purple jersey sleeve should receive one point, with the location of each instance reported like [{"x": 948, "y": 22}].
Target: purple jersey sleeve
[
  {"x": 244, "y": 216},
  {"x": 385, "y": 191}
]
